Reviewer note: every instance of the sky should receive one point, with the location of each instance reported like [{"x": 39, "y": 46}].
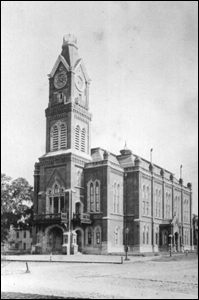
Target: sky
[{"x": 142, "y": 58}]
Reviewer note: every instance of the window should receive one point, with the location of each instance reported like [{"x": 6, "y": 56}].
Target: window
[
  {"x": 77, "y": 137},
  {"x": 179, "y": 209},
  {"x": 83, "y": 140},
  {"x": 98, "y": 236},
  {"x": 147, "y": 202},
  {"x": 159, "y": 204},
  {"x": 118, "y": 198},
  {"x": 55, "y": 138},
  {"x": 24, "y": 246},
  {"x": 114, "y": 198},
  {"x": 58, "y": 137},
  {"x": 91, "y": 197},
  {"x": 175, "y": 206},
  {"x": 168, "y": 205},
  {"x": 63, "y": 209},
  {"x": 24, "y": 234},
  {"x": 63, "y": 136},
  {"x": 143, "y": 200},
  {"x": 80, "y": 139},
  {"x": 17, "y": 234},
  {"x": 89, "y": 236},
  {"x": 156, "y": 203},
  {"x": 55, "y": 202},
  {"x": 97, "y": 197}
]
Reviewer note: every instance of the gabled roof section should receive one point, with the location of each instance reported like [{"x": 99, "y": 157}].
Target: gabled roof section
[
  {"x": 59, "y": 59},
  {"x": 80, "y": 63}
]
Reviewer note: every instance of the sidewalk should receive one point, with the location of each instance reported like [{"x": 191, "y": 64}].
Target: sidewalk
[{"x": 98, "y": 259}]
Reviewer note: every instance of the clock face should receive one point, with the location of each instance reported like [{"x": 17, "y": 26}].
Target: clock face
[
  {"x": 79, "y": 82},
  {"x": 60, "y": 80}
]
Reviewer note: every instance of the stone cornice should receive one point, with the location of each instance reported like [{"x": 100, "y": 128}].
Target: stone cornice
[
  {"x": 61, "y": 110},
  {"x": 62, "y": 159},
  {"x": 82, "y": 112}
]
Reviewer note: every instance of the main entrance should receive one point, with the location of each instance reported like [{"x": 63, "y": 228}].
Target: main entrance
[{"x": 55, "y": 240}]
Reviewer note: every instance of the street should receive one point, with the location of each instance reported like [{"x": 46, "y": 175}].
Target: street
[{"x": 154, "y": 278}]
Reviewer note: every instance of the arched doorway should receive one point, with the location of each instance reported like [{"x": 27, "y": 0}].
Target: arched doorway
[
  {"x": 55, "y": 240},
  {"x": 80, "y": 239}
]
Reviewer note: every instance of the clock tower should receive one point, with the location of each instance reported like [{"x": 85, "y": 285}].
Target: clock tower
[{"x": 59, "y": 175}]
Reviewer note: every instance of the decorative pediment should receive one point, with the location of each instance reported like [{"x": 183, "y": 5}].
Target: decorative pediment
[
  {"x": 80, "y": 64},
  {"x": 55, "y": 177},
  {"x": 63, "y": 61}
]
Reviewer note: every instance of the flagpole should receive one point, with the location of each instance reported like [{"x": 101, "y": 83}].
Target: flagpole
[
  {"x": 151, "y": 157},
  {"x": 181, "y": 171}
]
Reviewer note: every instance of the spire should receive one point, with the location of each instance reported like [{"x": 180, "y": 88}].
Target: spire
[{"x": 70, "y": 49}]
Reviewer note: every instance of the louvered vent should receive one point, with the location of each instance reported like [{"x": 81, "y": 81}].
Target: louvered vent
[
  {"x": 55, "y": 138},
  {"x": 83, "y": 140},
  {"x": 63, "y": 136},
  {"x": 77, "y": 137}
]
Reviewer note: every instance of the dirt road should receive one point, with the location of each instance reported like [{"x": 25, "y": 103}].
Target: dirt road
[{"x": 159, "y": 278}]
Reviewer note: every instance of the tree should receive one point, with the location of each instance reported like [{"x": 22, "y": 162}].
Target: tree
[{"x": 16, "y": 204}]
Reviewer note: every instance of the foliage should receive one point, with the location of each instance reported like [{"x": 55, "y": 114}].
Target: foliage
[{"x": 16, "y": 204}]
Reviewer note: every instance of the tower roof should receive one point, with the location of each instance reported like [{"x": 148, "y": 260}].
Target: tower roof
[{"x": 70, "y": 49}]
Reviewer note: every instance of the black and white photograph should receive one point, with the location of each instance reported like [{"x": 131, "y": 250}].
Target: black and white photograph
[{"x": 99, "y": 157}]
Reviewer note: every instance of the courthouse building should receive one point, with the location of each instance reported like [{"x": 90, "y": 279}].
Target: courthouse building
[{"x": 86, "y": 200}]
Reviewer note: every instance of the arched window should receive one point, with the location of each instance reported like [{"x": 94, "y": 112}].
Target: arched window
[
  {"x": 97, "y": 197},
  {"x": 91, "y": 197},
  {"x": 175, "y": 206},
  {"x": 89, "y": 236},
  {"x": 98, "y": 236},
  {"x": 77, "y": 137},
  {"x": 114, "y": 198},
  {"x": 55, "y": 201},
  {"x": 55, "y": 138},
  {"x": 58, "y": 137},
  {"x": 147, "y": 201},
  {"x": 118, "y": 198},
  {"x": 143, "y": 200},
  {"x": 185, "y": 210},
  {"x": 159, "y": 204},
  {"x": 63, "y": 136},
  {"x": 83, "y": 140},
  {"x": 156, "y": 203}
]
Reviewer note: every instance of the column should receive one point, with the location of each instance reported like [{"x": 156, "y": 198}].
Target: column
[
  {"x": 52, "y": 205},
  {"x": 152, "y": 207},
  {"x": 189, "y": 185},
  {"x": 59, "y": 205},
  {"x": 182, "y": 214}
]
